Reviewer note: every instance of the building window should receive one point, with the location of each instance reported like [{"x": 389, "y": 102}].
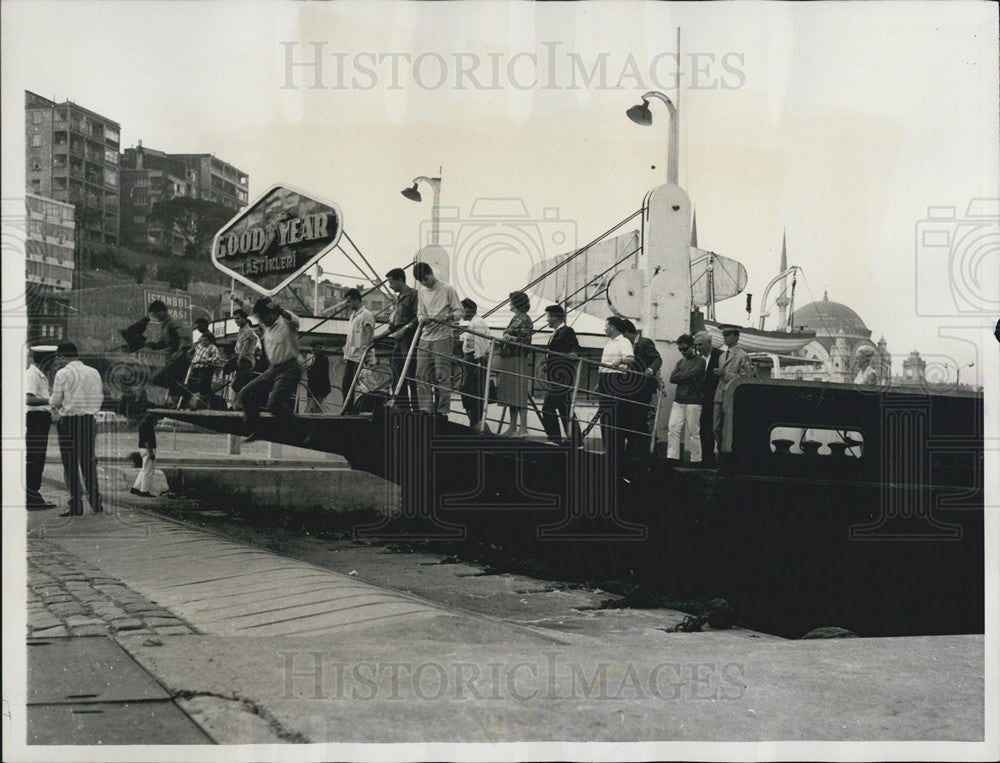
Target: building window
[
  {"x": 36, "y": 117},
  {"x": 36, "y": 186},
  {"x": 36, "y": 141}
]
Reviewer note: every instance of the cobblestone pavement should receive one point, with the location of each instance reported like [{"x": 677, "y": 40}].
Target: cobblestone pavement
[{"x": 69, "y": 597}]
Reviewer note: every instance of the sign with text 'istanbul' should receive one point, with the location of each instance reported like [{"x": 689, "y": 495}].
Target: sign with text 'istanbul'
[{"x": 276, "y": 239}]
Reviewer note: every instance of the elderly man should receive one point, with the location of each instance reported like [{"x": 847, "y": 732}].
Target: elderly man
[
  {"x": 733, "y": 364},
  {"x": 867, "y": 375},
  {"x": 703, "y": 341},
  {"x": 77, "y": 394}
]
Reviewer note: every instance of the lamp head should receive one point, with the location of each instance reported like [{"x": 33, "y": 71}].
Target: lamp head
[
  {"x": 640, "y": 114},
  {"x": 411, "y": 193}
]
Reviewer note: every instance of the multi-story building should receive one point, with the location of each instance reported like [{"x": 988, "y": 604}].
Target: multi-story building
[
  {"x": 71, "y": 155},
  {"x": 49, "y": 264},
  {"x": 149, "y": 176},
  {"x": 218, "y": 181}
]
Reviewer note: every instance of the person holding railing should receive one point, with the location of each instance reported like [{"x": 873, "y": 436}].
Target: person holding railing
[
  {"x": 438, "y": 309},
  {"x": 612, "y": 386},
  {"x": 360, "y": 330},
  {"x": 204, "y": 362},
  {"x": 278, "y": 383},
  {"x": 402, "y": 325},
  {"x": 245, "y": 351},
  {"x": 514, "y": 383},
  {"x": 475, "y": 348},
  {"x": 647, "y": 363},
  {"x": 561, "y": 375}
]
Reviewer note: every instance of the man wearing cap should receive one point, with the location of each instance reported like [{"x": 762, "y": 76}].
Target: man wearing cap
[
  {"x": 561, "y": 375},
  {"x": 733, "y": 364},
  {"x": 648, "y": 363},
  {"x": 685, "y": 413},
  {"x": 438, "y": 309},
  {"x": 37, "y": 423},
  {"x": 246, "y": 350},
  {"x": 712, "y": 356},
  {"x": 77, "y": 394},
  {"x": 867, "y": 375}
]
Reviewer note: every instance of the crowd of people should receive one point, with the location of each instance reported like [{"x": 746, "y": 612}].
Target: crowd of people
[{"x": 453, "y": 354}]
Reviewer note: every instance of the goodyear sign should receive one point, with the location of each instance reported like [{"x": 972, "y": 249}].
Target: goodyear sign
[{"x": 276, "y": 239}]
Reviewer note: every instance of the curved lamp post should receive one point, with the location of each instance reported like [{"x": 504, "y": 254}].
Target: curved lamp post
[
  {"x": 414, "y": 195},
  {"x": 641, "y": 115}
]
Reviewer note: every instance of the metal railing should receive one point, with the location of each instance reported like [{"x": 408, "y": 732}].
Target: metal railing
[{"x": 617, "y": 414}]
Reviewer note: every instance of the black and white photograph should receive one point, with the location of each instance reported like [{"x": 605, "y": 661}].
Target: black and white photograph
[{"x": 500, "y": 380}]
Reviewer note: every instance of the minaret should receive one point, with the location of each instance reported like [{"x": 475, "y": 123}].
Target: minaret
[{"x": 783, "y": 301}]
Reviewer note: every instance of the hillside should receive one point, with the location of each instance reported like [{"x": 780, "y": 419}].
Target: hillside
[{"x": 127, "y": 265}]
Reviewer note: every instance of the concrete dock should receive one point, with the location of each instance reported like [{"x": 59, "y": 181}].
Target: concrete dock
[{"x": 145, "y": 630}]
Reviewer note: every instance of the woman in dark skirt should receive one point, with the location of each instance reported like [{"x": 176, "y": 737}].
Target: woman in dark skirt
[{"x": 512, "y": 363}]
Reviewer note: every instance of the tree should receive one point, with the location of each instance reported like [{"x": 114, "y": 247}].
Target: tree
[
  {"x": 196, "y": 220},
  {"x": 176, "y": 274}
]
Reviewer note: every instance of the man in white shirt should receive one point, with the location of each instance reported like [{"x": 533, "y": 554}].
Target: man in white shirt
[
  {"x": 438, "y": 308},
  {"x": 475, "y": 348},
  {"x": 360, "y": 330},
  {"x": 77, "y": 394},
  {"x": 278, "y": 384},
  {"x": 36, "y": 436}
]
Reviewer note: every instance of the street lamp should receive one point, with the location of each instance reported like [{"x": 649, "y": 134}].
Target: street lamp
[
  {"x": 414, "y": 195},
  {"x": 958, "y": 373},
  {"x": 641, "y": 115}
]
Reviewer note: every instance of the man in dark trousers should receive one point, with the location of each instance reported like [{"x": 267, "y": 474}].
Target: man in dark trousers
[
  {"x": 176, "y": 341},
  {"x": 561, "y": 375},
  {"x": 402, "y": 326},
  {"x": 647, "y": 362},
  {"x": 703, "y": 341},
  {"x": 318, "y": 378},
  {"x": 77, "y": 394},
  {"x": 36, "y": 437}
]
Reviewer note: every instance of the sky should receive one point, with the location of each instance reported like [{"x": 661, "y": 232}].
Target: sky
[{"x": 839, "y": 125}]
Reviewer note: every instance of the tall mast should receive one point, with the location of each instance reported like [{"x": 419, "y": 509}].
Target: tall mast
[{"x": 782, "y": 301}]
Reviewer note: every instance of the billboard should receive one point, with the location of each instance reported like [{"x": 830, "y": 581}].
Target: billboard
[
  {"x": 277, "y": 238},
  {"x": 178, "y": 304}
]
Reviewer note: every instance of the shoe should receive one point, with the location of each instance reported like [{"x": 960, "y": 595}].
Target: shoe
[
  {"x": 72, "y": 512},
  {"x": 37, "y": 503},
  {"x": 141, "y": 493}
]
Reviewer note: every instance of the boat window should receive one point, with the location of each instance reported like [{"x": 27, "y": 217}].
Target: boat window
[{"x": 796, "y": 441}]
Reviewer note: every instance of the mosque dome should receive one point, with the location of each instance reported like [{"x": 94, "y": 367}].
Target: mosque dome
[{"x": 829, "y": 319}]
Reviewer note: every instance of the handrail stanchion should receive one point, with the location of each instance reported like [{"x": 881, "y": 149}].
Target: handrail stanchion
[
  {"x": 572, "y": 401},
  {"x": 656, "y": 420},
  {"x": 406, "y": 365},
  {"x": 486, "y": 385},
  {"x": 357, "y": 375}
]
